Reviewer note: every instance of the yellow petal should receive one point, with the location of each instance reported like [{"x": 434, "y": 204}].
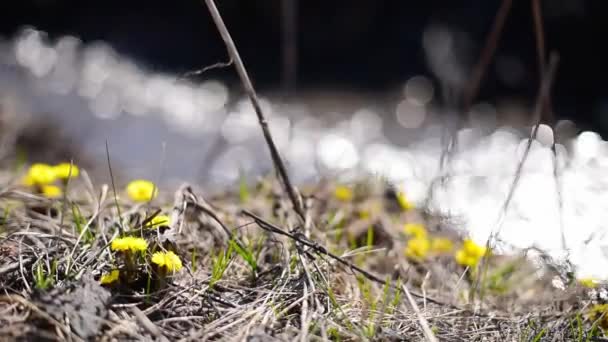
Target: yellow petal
[
  {"x": 66, "y": 170},
  {"x": 141, "y": 190},
  {"x": 109, "y": 278},
  {"x": 417, "y": 248},
  {"x": 343, "y": 193},
  {"x": 169, "y": 260},
  {"x": 129, "y": 243},
  {"x": 51, "y": 191},
  {"x": 473, "y": 249},
  {"x": 464, "y": 259},
  {"x": 40, "y": 173}
]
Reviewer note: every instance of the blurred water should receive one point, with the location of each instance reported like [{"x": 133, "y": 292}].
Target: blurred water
[{"x": 204, "y": 133}]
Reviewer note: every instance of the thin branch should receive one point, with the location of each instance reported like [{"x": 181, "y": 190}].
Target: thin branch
[
  {"x": 543, "y": 93},
  {"x": 300, "y": 238},
  {"x": 486, "y": 55},
  {"x": 548, "y": 110},
  {"x": 537, "y": 117},
  {"x": 218, "y": 65},
  {"x": 251, "y": 93},
  {"x": 450, "y": 135}
]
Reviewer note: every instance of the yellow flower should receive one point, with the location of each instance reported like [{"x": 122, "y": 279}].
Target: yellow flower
[
  {"x": 588, "y": 282},
  {"x": 63, "y": 170},
  {"x": 140, "y": 190},
  {"x": 466, "y": 260},
  {"x": 473, "y": 249},
  {"x": 470, "y": 253},
  {"x": 109, "y": 278},
  {"x": 441, "y": 245},
  {"x": 599, "y": 313},
  {"x": 51, "y": 191},
  {"x": 40, "y": 174},
  {"x": 168, "y": 260},
  {"x": 417, "y": 248},
  {"x": 343, "y": 193},
  {"x": 404, "y": 202},
  {"x": 416, "y": 230},
  {"x": 129, "y": 243},
  {"x": 159, "y": 220}
]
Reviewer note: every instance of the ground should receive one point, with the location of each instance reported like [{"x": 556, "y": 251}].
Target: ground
[{"x": 246, "y": 266}]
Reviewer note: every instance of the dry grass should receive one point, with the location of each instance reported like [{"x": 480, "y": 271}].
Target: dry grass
[{"x": 278, "y": 281}]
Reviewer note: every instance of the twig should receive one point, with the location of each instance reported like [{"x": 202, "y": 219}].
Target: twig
[
  {"x": 146, "y": 323},
  {"x": 321, "y": 249},
  {"x": 424, "y": 324},
  {"x": 537, "y": 116},
  {"x": 218, "y": 65},
  {"x": 240, "y": 68},
  {"x": 486, "y": 55},
  {"x": 548, "y": 110},
  {"x": 450, "y": 135},
  {"x": 544, "y": 91}
]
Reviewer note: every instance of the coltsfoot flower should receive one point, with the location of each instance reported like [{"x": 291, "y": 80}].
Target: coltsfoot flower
[
  {"x": 40, "y": 174},
  {"x": 470, "y": 253},
  {"x": 343, "y": 193},
  {"x": 141, "y": 190},
  {"x": 63, "y": 171},
  {"x": 129, "y": 243},
  {"x": 167, "y": 260},
  {"x": 51, "y": 191},
  {"x": 110, "y": 278},
  {"x": 417, "y": 248}
]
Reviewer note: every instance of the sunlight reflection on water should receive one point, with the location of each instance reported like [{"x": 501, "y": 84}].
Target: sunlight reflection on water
[{"x": 97, "y": 95}]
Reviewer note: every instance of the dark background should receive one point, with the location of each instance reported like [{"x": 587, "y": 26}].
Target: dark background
[{"x": 370, "y": 45}]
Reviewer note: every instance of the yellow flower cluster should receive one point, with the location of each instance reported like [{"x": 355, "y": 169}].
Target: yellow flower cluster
[
  {"x": 141, "y": 190},
  {"x": 129, "y": 243},
  {"x": 167, "y": 260},
  {"x": 110, "y": 278},
  {"x": 470, "y": 253},
  {"x": 420, "y": 245},
  {"x": 43, "y": 175}
]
